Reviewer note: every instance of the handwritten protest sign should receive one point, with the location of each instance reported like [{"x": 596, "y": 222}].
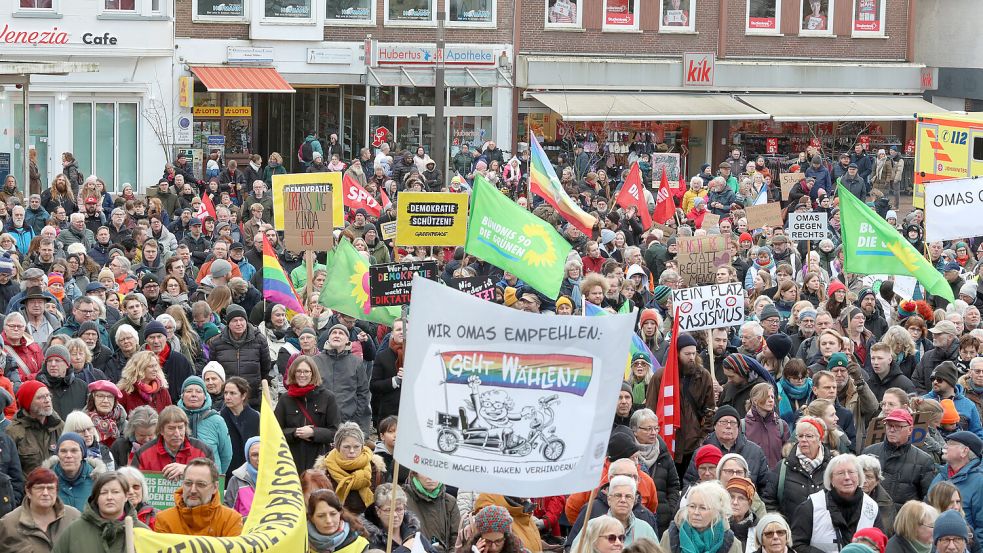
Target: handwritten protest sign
[
  {"x": 279, "y": 198},
  {"x": 159, "y": 491},
  {"x": 807, "y": 226},
  {"x": 307, "y": 221},
  {"x": 789, "y": 180},
  {"x": 714, "y": 306},
  {"x": 710, "y": 220},
  {"x": 479, "y": 286},
  {"x": 699, "y": 258},
  {"x": 431, "y": 219},
  {"x": 919, "y": 431},
  {"x": 390, "y": 283},
  {"x": 764, "y": 215},
  {"x": 388, "y": 230}
]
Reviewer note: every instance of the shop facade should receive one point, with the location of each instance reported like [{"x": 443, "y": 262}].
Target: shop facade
[{"x": 108, "y": 119}]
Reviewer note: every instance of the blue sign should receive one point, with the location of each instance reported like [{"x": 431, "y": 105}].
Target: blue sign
[
  {"x": 4, "y": 165},
  {"x": 216, "y": 140}
]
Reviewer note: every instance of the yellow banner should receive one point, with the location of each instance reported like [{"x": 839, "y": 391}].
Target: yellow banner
[
  {"x": 206, "y": 111},
  {"x": 237, "y": 111},
  {"x": 431, "y": 219},
  {"x": 277, "y": 522},
  {"x": 186, "y": 92},
  {"x": 333, "y": 179}
]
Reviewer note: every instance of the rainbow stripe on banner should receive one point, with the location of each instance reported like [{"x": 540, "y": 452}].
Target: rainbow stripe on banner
[
  {"x": 276, "y": 287},
  {"x": 552, "y": 371}
]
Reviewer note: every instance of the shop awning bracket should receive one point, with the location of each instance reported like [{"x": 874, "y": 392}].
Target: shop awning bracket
[{"x": 407, "y": 75}]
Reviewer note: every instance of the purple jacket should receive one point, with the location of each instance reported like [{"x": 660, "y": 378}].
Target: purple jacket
[{"x": 769, "y": 433}]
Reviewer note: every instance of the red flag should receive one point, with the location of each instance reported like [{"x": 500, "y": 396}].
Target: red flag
[
  {"x": 357, "y": 197},
  {"x": 633, "y": 194},
  {"x": 668, "y": 406},
  {"x": 207, "y": 208},
  {"x": 664, "y": 206},
  {"x": 383, "y": 198}
]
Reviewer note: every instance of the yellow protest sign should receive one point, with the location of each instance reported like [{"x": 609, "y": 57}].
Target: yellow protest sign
[
  {"x": 431, "y": 219},
  {"x": 277, "y": 522},
  {"x": 331, "y": 179}
]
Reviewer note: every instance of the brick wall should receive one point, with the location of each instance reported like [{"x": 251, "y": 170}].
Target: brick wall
[{"x": 186, "y": 28}]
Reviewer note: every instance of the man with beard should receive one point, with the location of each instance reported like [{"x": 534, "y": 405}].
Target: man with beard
[
  {"x": 198, "y": 509},
  {"x": 945, "y": 339},
  {"x": 875, "y": 321},
  {"x": 625, "y": 407},
  {"x": 945, "y": 386},
  {"x": 721, "y": 349},
  {"x": 698, "y": 403},
  {"x": 35, "y": 428}
]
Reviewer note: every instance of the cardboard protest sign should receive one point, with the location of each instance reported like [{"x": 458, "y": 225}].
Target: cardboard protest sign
[
  {"x": 699, "y": 258},
  {"x": 479, "y": 286},
  {"x": 389, "y": 283},
  {"x": 159, "y": 491},
  {"x": 919, "y": 431},
  {"x": 279, "y": 198},
  {"x": 388, "y": 230},
  {"x": 431, "y": 219},
  {"x": 710, "y": 220},
  {"x": 952, "y": 209},
  {"x": 307, "y": 221},
  {"x": 807, "y": 226},
  {"x": 789, "y": 180},
  {"x": 764, "y": 215},
  {"x": 506, "y": 402},
  {"x": 714, "y": 306}
]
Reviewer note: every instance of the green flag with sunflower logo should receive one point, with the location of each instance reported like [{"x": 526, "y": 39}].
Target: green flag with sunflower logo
[
  {"x": 347, "y": 287},
  {"x": 511, "y": 238}
]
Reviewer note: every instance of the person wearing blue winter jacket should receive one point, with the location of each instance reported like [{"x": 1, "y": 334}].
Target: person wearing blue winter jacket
[
  {"x": 945, "y": 386},
  {"x": 819, "y": 172},
  {"x": 962, "y": 469},
  {"x": 204, "y": 423}
]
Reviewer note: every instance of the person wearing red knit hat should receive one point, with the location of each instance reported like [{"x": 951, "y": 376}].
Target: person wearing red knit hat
[
  {"x": 36, "y": 426},
  {"x": 706, "y": 459}
]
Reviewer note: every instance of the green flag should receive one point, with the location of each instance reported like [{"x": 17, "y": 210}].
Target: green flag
[
  {"x": 347, "y": 287},
  {"x": 871, "y": 246},
  {"x": 511, "y": 238}
]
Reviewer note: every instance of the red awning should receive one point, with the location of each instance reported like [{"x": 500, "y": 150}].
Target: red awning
[{"x": 241, "y": 79}]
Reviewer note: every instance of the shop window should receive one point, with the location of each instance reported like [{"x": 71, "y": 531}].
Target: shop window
[
  {"x": 978, "y": 148},
  {"x": 473, "y": 131},
  {"x": 416, "y": 96},
  {"x": 382, "y": 96},
  {"x": 120, "y": 5},
  {"x": 817, "y": 18},
  {"x": 475, "y": 13},
  {"x": 350, "y": 11},
  {"x": 620, "y": 15},
  {"x": 381, "y": 128},
  {"x": 410, "y": 12},
  {"x": 763, "y": 17},
  {"x": 564, "y": 14},
  {"x": 105, "y": 140},
  {"x": 471, "y": 97},
  {"x": 677, "y": 16},
  {"x": 224, "y": 10},
  {"x": 868, "y": 18},
  {"x": 288, "y": 9}
]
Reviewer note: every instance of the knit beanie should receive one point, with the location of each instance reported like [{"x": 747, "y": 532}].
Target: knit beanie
[
  {"x": 838, "y": 359},
  {"x": 26, "y": 393},
  {"x": 564, "y": 300},
  {"x": 213, "y": 367},
  {"x": 949, "y": 413},
  {"x": 834, "y": 287},
  {"x": 685, "y": 340},
  {"x": 779, "y": 344},
  {"x": 340, "y": 327},
  {"x": 58, "y": 351},
  {"x": 769, "y": 311},
  {"x": 857, "y": 548},
  {"x": 621, "y": 445},
  {"x": 741, "y": 485},
  {"x": 71, "y": 437},
  {"x": 874, "y": 535},
  {"x": 707, "y": 455},
  {"x": 493, "y": 518},
  {"x": 768, "y": 520},
  {"x": 193, "y": 381},
  {"x": 726, "y": 411},
  {"x": 661, "y": 293},
  {"x": 950, "y": 523},
  {"x": 154, "y": 327},
  {"x": 647, "y": 315}
]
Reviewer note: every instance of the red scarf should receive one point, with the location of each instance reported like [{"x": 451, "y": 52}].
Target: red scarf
[
  {"x": 399, "y": 350},
  {"x": 300, "y": 394},
  {"x": 163, "y": 355},
  {"x": 147, "y": 391}
]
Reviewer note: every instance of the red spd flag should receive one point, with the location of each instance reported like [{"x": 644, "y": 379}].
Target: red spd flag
[
  {"x": 207, "y": 208},
  {"x": 632, "y": 194},
  {"x": 668, "y": 406},
  {"x": 665, "y": 208},
  {"x": 357, "y": 197}
]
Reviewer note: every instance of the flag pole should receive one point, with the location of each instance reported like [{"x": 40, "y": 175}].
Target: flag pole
[
  {"x": 130, "y": 538},
  {"x": 392, "y": 507},
  {"x": 581, "y": 547}
]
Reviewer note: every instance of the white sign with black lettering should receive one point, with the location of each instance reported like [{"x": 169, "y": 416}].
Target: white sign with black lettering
[
  {"x": 714, "y": 306},
  {"x": 952, "y": 208},
  {"x": 807, "y": 226}
]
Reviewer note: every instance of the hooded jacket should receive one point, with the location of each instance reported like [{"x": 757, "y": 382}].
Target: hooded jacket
[
  {"x": 966, "y": 409},
  {"x": 247, "y": 356},
  {"x": 922, "y": 377},
  {"x": 969, "y": 480},
  {"x": 75, "y": 492},
  {"x": 19, "y": 531},
  {"x": 68, "y": 393},
  {"x": 211, "y": 519}
]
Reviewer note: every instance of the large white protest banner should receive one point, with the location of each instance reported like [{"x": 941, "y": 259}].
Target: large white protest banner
[
  {"x": 952, "y": 209},
  {"x": 502, "y": 401},
  {"x": 714, "y": 306},
  {"x": 807, "y": 226}
]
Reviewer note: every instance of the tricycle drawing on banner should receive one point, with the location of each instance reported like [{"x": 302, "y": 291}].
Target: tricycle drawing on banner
[{"x": 488, "y": 421}]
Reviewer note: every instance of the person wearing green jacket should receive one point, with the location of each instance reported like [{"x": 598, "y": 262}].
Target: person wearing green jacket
[
  {"x": 101, "y": 528},
  {"x": 273, "y": 167},
  {"x": 204, "y": 423}
]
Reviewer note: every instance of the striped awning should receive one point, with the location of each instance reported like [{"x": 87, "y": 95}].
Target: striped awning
[{"x": 241, "y": 79}]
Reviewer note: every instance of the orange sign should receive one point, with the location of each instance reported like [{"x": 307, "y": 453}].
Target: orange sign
[
  {"x": 237, "y": 111},
  {"x": 185, "y": 87},
  {"x": 207, "y": 111}
]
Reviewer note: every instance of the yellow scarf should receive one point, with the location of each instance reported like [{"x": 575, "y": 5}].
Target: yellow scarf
[{"x": 351, "y": 475}]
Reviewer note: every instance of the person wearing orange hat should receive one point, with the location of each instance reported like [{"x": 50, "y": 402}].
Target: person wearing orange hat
[
  {"x": 950, "y": 417},
  {"x": 742, "y": 492}
]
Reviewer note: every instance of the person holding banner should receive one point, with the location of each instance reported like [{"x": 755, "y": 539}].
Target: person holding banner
[{"x": 101, "y": 528}]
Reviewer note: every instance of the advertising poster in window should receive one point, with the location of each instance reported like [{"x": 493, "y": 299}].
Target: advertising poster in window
[
  {"x": 867, "y": 17},
  {"x": 563, "y": 13},
  {"x": 677, "y": 16},
  {"x": 621, "y": 14},
  {"x": 815, "y": 16},
  {"x": 762, "y": 15},
  {"x": 471, "y": 11},
  {"x": 288, "y": 9},
  {"x": 348, "y": 10},
  {"x": 221, "y": 8},
  {"x": 410, "y": 10}
]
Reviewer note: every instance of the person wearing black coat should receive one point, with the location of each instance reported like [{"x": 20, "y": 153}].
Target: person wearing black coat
[
  {"x": 668, "y": 487},
  {"x": 752, "y": 452},
  {"x": 245, "y": 354},
  {"x": 908, "y": 471},
  {"x": 307, "y": 412},
  {"x": 10, "y": 472},
  {"x": 68, "y": 392},
  {"x": 241, "y": 420},
  {"x": 791, "y": 483},
  {"x": 387, "y": 376}
]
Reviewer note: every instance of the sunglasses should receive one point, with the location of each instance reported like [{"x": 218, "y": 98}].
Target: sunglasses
[
  {"x": 773, "y": 533},
  {"x": 615, "y": 537}
]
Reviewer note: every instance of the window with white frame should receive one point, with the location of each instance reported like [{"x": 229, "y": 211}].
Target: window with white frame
[
  {"x": 104, "y": 138},
  {"x": 348, "y": 12},
  {"x": 120, "y": 5},
  {"x": 296, "y": 10},
  {"x": 817, "y": 18},
  {"x": 868, "y": 18},
  {"x": 471, "y": 13},
  {"x": 564, "y": 14},
  {"x": 219, "y": 10},
  {"x": 410, "y": 12},
  {"x": 621, "y": 15},
  {"x": 37, "y": 4},
  {"x": 677, "y": 16},
  {"x": 763, "y": 17}
]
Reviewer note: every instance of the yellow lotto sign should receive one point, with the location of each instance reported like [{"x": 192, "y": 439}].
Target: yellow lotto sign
[
  {"x": 332, "y": 179},
  {"x": 944, "y": 150},
  {"x": 431, "y": 219}
]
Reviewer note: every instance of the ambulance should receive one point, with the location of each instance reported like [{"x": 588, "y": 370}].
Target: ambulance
[{"x": 947, "y": 146}]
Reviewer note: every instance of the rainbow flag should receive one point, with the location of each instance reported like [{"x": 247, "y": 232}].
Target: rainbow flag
[
  {"x": 276, "y": 287},
  {"x": 637, "y": 344},
  {"x": 544, "y": 182}
]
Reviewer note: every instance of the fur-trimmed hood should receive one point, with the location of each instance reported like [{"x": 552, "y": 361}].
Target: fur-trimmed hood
[{"x": 98, "y": 466}]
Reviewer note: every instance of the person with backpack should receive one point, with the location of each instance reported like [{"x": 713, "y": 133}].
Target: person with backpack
[{"x": 307, "y": 149}]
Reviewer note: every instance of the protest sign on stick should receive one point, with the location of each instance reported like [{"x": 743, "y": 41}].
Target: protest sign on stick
[
  {"x": 788, "y": 181},
  {"x": 390, "y": 283},
  {"x": 478, "y": 286},
  {"x": 699, "y": 258},
  {"x": 308, "y": 215},
  {"x": 764, "y": 215},
  {"x": 807, "y": 226},
  {"x": 431, "y": 219},
  {"x": 714, "y": 306}
]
